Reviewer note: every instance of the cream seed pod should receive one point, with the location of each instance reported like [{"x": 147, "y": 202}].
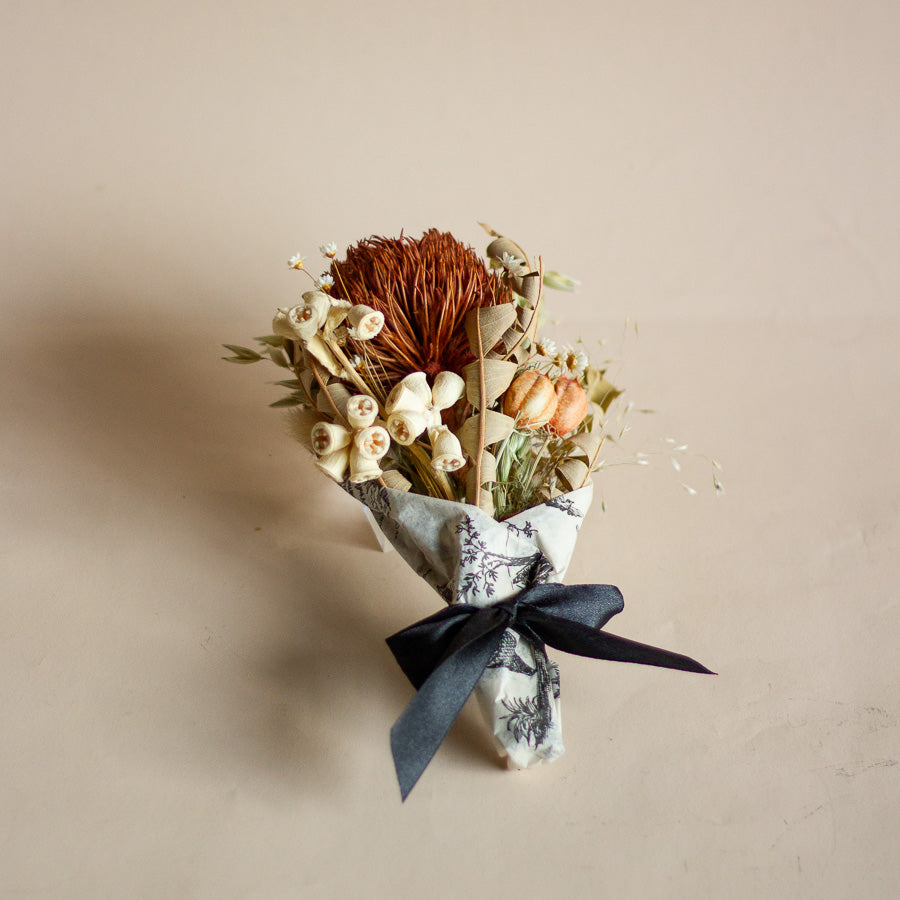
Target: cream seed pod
[
  {"x": 405, "y": 425},
  {"x": 334, "y": 465},
  {"x": 446, "y": 452},
  {"x": 448, "y": 388},
  {"x": 327, "y": 437},
  {"x": 372, "y": 443},
  {"x": 308, "y": 317},
  {"x": 412, "y": 392},
  {"x": 362, "y": 410},
  {"x": 403, "y": 397},
  {"x": 366, "y": 321},
  {"x": 361, "y": 468}
]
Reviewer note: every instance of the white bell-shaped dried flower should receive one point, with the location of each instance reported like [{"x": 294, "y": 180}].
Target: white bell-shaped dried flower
[
  {"x": 403, "y": 397},
  {"x": 301, "y": 322},
  {"x": 327, "y": 437},
  {"x": 448, "y": 388},
  {"x": 334, "y": 465},
  {"x": 361, "y": 468},
  {"x": 405, "y": 425},
  {"x": 362, "y": 410},
  {"x": 366, "y": 321},
  {"x": 412, "y": 392},
  {"x": 372, "y": 442},
  {"x": 446, "y": 452}
]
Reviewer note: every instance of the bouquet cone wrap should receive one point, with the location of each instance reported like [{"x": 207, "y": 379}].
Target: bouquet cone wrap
[{"x": 469, "y": 557}]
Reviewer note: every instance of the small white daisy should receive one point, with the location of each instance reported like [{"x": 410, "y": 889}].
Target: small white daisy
[
  {"x": 296, "y": 261},
  {"x": 325, "y": 282},
  {"x": 573, "y": 362},
  {"x": 545, "y": 347},
  {"x": 511, "y": 263},
  {"x": 329, "y": 250}
]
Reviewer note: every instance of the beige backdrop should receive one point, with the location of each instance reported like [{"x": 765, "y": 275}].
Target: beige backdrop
[{"x": 196, "y": 693}]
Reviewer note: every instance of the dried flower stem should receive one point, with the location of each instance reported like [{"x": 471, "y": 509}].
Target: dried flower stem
[
  {"x": 591, "y": 463},
  {"x": 316, "y": 370},
  {"x": 482, "y": 412},
  {"x": 531, "y": 330}
]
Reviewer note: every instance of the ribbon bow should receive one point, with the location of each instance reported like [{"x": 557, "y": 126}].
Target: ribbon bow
[{"x": 445, "y": 654}]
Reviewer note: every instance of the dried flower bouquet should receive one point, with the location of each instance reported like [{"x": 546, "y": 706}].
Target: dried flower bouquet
[{"x": 422, "y": 386}]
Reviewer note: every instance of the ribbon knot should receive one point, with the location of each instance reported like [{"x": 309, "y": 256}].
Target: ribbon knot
[{"x": 445, "y": 654}]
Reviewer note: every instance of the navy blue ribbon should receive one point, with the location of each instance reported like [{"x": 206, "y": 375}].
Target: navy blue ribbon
[{"x": 445, "y": 655}]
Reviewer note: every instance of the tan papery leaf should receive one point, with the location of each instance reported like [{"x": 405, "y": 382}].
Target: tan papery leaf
[
  {"x": 498, "y": 375},
  {"x": 395, "y": 480},
  {"x": 497, "y": 428},
  {"x": 501, "y": 245},
  {"x": 339, "y": 394},
  {"x": 573, "y": 472},
  {"x": 495, "y": 321},
  {"x": 529, "y": 287},
  {"x": 587, "y": 442},
  {"x": 316, "y": 347}
]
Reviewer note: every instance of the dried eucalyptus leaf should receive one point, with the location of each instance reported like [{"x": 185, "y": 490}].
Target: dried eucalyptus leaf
[
  {"x": 243, "y": 352},
  {"x": 501, "y": 245},
  {"x": 278, "y": 357},
  {"x": 587, "y": 442},
  {"x": 560, "y": 282},
  {"x": 395, "y": 480},
  {"x": 495, "y": 320},
  {"x": 339, "y": 396},
  {"x": 488, "y": 468},
  {"x": 271, "y": 340},
  {"x": 530, "y": 287},
  {"x": 600, "y": 390},
  {"x": 485, "y": 500},
  {"x": 511, "y": 337},
  {"x": 293, "y": 383},
  {"x": 284, "y": 402},
  {"x": 572, "y": 472},
  {"x": 498, "y": 375},
  {"x": 497, "y": 428}
]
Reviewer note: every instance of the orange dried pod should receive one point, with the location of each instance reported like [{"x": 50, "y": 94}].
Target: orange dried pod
[
  {"x": 571, "y": 407},
  {"x": 530, "y": 400}
]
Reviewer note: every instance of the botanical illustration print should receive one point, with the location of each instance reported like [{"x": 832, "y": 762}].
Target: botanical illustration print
[
  {"x": 506, "y": 657},
  {"x": 565, "y": 505},
  {"x": 374, "y": 496},
  {"x": 530, "y": 718},
  {"x": 484, "y": 566}
]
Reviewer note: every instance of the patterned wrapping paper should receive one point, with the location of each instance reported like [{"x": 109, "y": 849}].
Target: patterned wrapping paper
[{"x": 469, "y": 557}]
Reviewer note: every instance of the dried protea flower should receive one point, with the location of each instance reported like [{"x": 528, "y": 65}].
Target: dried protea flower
[{"x": 424, "y": 288}]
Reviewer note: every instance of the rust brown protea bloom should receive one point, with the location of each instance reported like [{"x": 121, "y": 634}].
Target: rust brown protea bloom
[{"x": 424, "y": 287}]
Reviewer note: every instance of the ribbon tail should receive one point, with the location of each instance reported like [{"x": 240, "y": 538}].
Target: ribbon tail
[
  {"x": 573, "y": 637},
  {"x": 420, "y": 730}
]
